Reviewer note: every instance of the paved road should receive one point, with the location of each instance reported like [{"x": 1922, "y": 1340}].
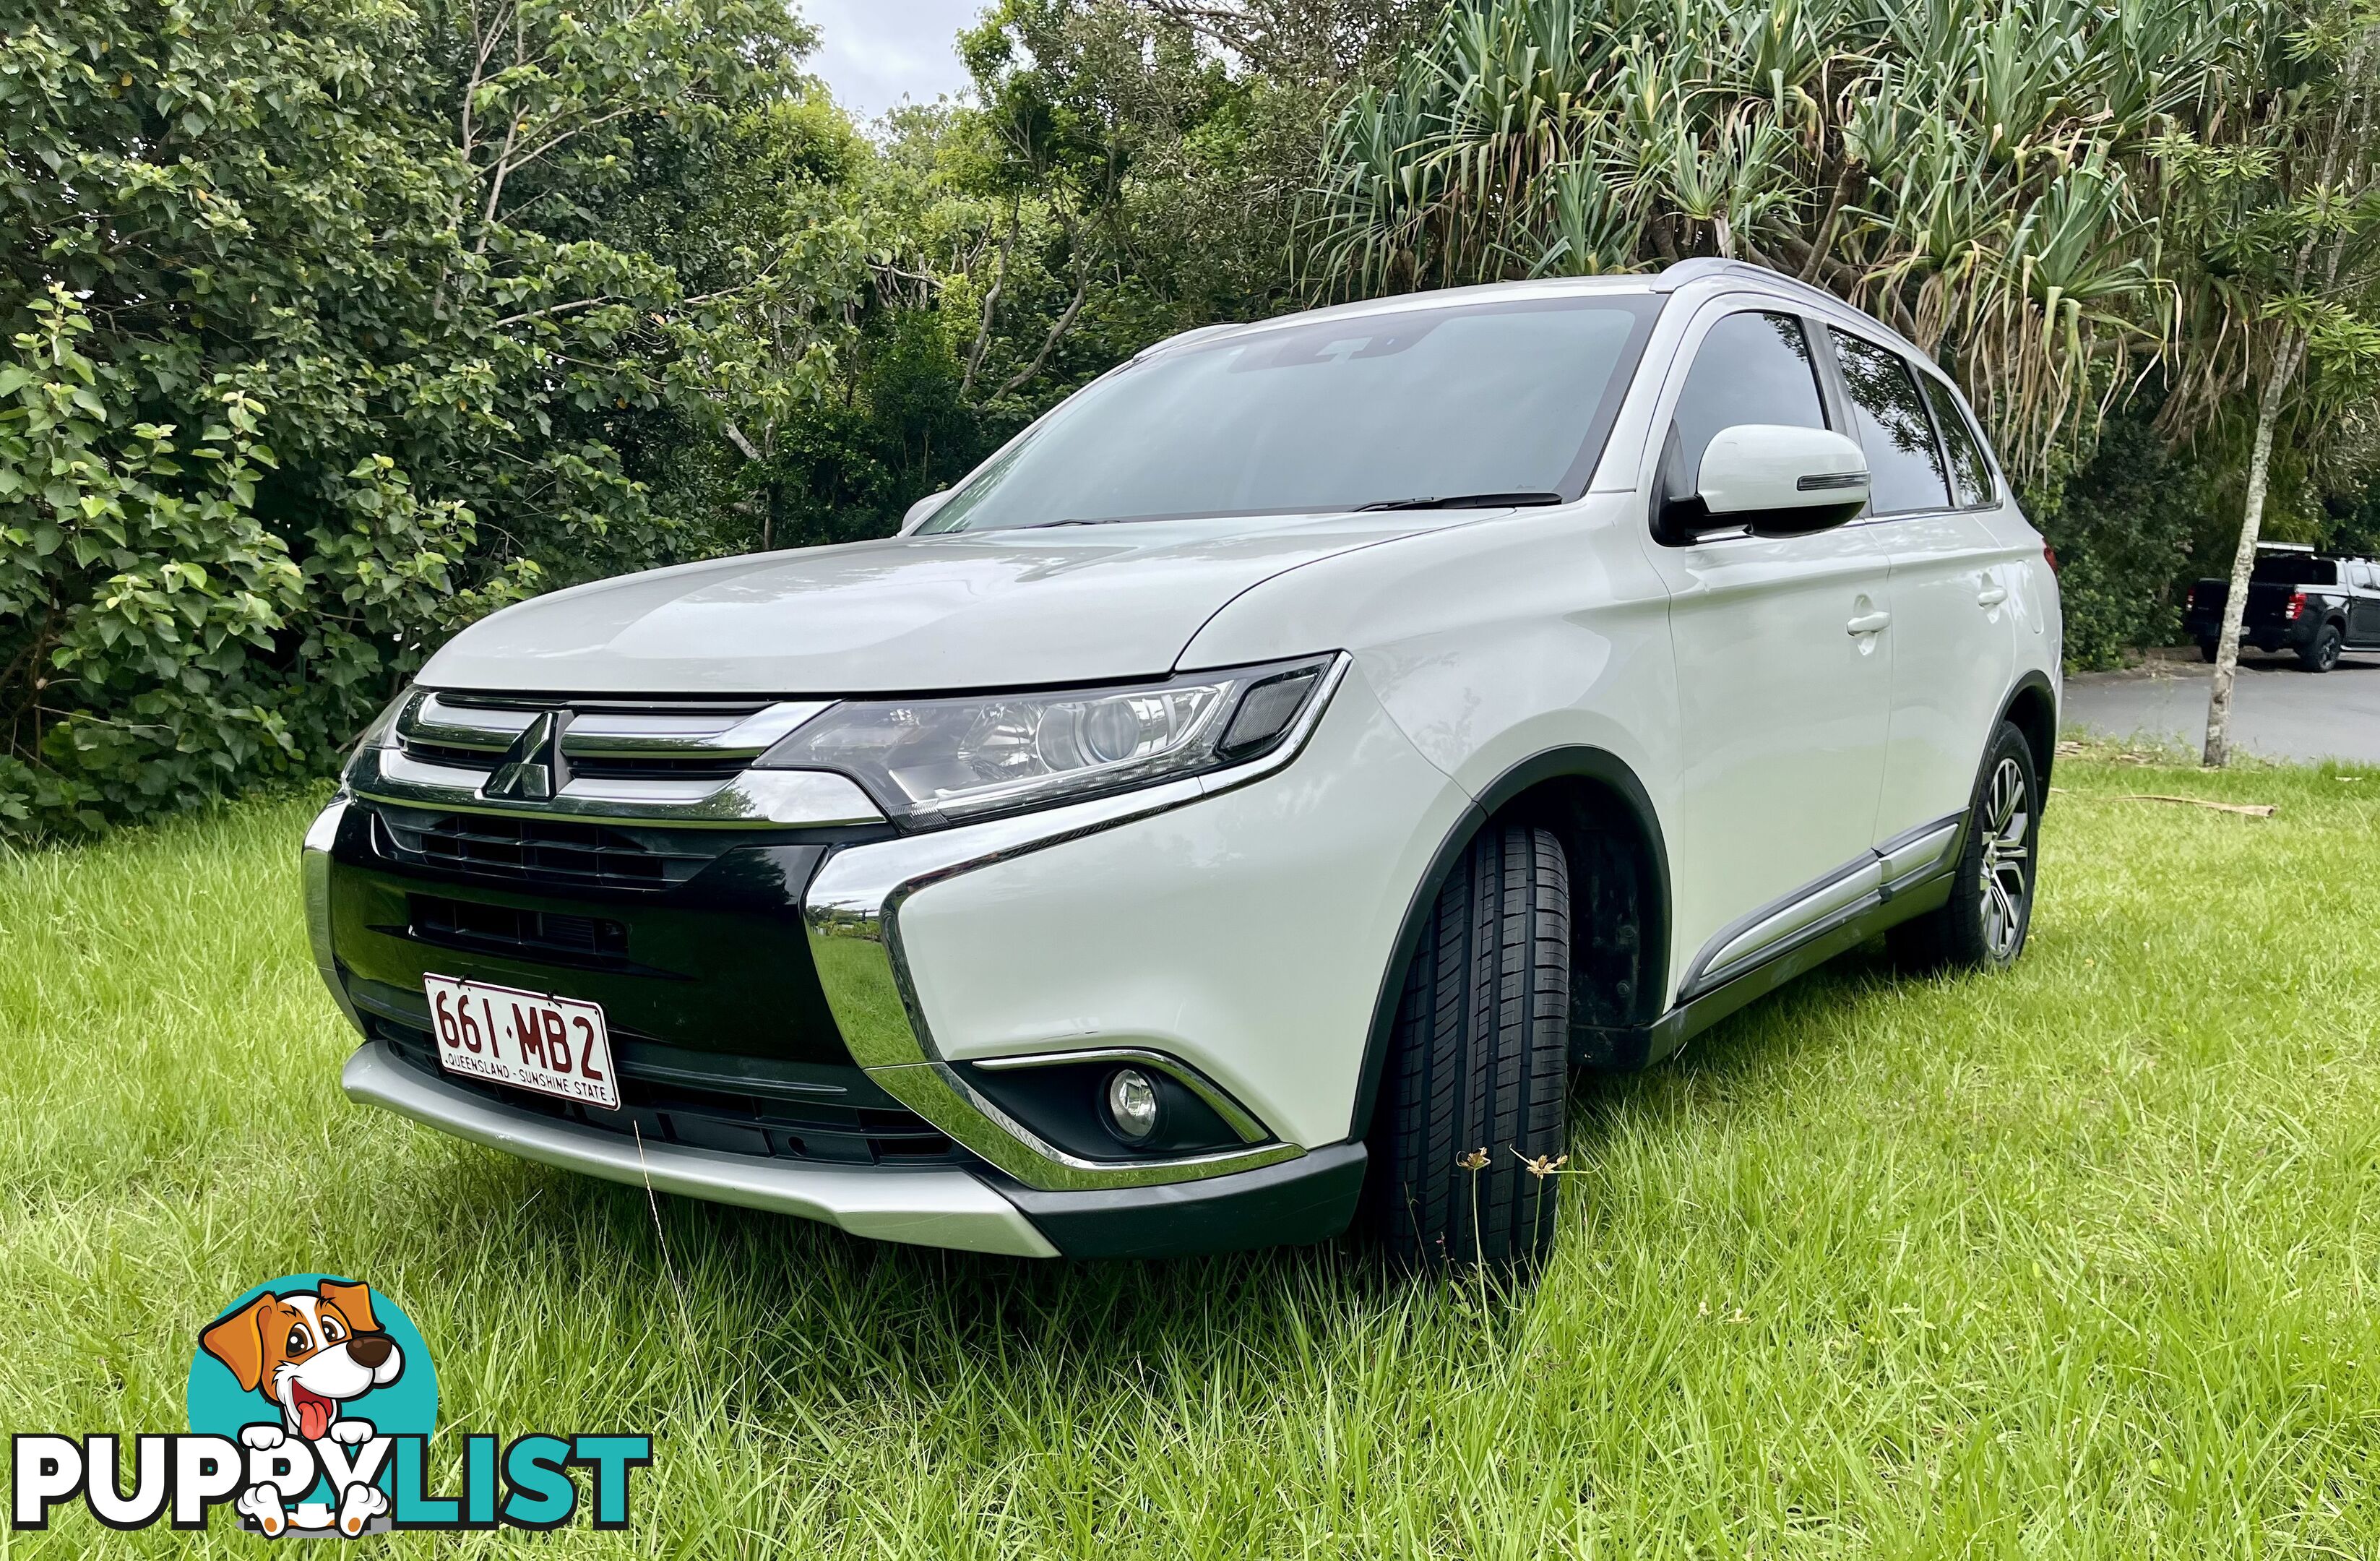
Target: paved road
[{"x": 2277, "y": 710}]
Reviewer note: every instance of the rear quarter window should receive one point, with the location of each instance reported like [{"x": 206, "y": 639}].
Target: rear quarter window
[
  {"x": 2290, "y": 568},
  {"x": 1971, "y": 472}
]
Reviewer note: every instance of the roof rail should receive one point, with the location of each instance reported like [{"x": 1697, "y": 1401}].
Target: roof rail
[
  {"x": 1700, "y": 268},
  {"x": 1705, "y": 268},
  {"x": 1196, "y": 332}
]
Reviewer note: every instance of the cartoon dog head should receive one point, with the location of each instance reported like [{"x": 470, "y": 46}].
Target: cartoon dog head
[{"x": 308, "y": 1350}]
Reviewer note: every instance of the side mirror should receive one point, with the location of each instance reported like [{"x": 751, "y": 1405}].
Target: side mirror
[
  {"x": 1781, "y": 481},
  {"x": 923, "y": 510}
]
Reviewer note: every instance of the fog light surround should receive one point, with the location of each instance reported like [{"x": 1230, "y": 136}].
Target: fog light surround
[
  {"x": 1133, "y": 1111},
  {"x": 1114, "y": 1103}
]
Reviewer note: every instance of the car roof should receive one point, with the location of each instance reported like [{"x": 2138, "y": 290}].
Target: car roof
[{"x": 1671, "y": 279}]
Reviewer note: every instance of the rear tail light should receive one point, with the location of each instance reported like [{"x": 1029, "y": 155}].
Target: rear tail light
[
  {"x": 2296, "y": 605},
  {"x": 2049, "y": 556}
]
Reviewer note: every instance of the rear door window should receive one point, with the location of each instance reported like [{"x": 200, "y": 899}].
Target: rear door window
[
  {"x": 1905, "y": 464},
  {"x": 1971, "y": 474}
]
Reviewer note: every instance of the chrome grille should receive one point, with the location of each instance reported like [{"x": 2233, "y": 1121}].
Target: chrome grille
[
  {"x": 603, "y": 758},
  {"x": 607, "y": 739}
]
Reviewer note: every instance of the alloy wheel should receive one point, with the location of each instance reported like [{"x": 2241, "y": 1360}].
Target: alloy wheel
[{"x": 2008, "y": 827}]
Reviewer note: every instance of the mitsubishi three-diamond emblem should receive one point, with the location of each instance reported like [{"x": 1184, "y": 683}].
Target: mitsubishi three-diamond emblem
[{"x": 533, "y": 769}]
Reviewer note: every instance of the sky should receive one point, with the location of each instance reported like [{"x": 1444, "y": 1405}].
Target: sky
[{"x": 874, "y": 53}]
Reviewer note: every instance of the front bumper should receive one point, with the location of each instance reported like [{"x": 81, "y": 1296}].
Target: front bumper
[
  {"x": 1101, "y": 928},
  {"x": 1304, "y": 1201},
  {"x": 931, "y": 1205}
]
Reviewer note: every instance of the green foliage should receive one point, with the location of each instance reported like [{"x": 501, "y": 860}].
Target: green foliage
[
  {"x": 134, "y": 557},
  {"x": 2124, "y": 525},
  {"x": 335, "y": 323},
  {"x": 2078, "y": 209},
  {"x": 1971, "y": 172},
  {"x": 1117, "y": 182}
]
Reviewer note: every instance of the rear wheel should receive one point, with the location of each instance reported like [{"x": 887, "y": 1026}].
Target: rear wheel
[
  {"x": 2323, "y": 653},
  {"x": 1473, "y": 1105},
  {"x": 1984, "y": 924},
  {"x": 2207, "y": 648}
]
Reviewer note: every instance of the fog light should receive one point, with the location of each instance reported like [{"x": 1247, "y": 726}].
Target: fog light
[{"x": 1132, "y": 1104}]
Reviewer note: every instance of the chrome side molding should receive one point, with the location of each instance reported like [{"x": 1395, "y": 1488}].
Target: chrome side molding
[
  {"x": 1917, "y": 851},
  {"x": 1817, "y": 908}
]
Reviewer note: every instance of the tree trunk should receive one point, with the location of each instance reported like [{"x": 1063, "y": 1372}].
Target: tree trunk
[{"x": 2243, "y": 561}]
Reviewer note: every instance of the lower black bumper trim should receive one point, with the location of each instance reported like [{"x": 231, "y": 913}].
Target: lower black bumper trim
[{"x": 1295, "y": 1203}]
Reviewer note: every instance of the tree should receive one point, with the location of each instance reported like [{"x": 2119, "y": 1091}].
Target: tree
[
  {"x": 2282, "y": 220},
  {"x": 1968, "y": 172},
  {"x": 332, "y": 325}
]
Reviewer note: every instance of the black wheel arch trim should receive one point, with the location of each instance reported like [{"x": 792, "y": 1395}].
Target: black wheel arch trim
[
  {"x": 2034, "y": 681},
  {"x": 1577, "y": 761}
]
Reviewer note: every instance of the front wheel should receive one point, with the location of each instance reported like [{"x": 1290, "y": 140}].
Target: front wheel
[
  {"x": 1984, "y": 924},
  {"x": 1472, "y": 1104},
  {"x": 2322, "y": 654}
]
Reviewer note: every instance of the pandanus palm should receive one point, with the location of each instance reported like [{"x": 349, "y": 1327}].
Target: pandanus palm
[{"x": 1967, "y": 169}]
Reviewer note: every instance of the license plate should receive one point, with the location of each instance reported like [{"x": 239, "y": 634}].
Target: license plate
[{"x": 529, "y": 1040}]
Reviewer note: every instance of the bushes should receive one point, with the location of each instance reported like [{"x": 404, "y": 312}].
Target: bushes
[
  {"x": 2123, "y": 526},
  {"x": 318, "y": 347},
  {"x": 133, "y": 559}
]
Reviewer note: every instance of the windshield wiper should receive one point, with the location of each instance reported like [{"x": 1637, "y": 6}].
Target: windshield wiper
[{"x": 1466, "y": 501}]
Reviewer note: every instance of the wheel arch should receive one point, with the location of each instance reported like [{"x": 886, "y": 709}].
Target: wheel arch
[
  {"x": 2032, "y": 708},
  {"x": 1599, "y": 810}
]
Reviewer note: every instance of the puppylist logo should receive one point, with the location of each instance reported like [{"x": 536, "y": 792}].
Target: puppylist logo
[{"x": 311, "y": 1400}]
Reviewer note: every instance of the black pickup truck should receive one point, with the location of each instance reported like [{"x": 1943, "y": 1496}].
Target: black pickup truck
[{"x": 2315, "y": 603}]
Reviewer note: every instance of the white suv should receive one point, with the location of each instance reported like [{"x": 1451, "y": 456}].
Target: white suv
[{"x": 1228, "y": 814}]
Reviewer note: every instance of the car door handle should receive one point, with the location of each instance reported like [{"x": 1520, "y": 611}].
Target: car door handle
[
  {"x": 1869, "y": 623},
  {"x": 1991, "y": 596}
]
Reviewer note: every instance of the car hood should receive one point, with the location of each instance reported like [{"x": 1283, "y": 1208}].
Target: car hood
[{"x": 962, "y": 610}]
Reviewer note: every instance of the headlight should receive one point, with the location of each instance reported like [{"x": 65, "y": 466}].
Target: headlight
[{"x": 933, "y": 762}]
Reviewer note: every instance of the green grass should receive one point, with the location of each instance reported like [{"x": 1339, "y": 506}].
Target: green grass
[{"x": 2083, "y": 1260}]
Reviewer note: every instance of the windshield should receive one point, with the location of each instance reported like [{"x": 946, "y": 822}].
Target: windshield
[{"x": 1509, "y": 398}]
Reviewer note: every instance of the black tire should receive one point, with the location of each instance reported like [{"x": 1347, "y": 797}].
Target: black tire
[
  {"x": 2322, "y": 655},
  {"x": 1478, "y": 1062},
  {"x": 1984, "y": 924},
  {"x": 2206, "y": 649}
]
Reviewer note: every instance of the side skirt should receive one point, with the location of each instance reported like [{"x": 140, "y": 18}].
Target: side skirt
[{"x": 1639, "y": 1046}]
